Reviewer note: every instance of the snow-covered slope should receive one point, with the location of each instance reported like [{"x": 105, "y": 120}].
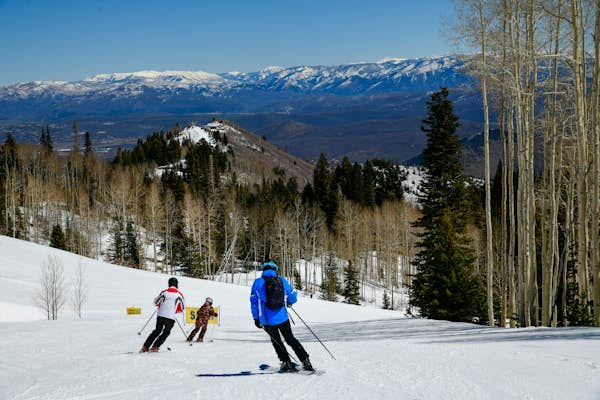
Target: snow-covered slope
[
  {"x": 195, "y": 134},
  {"x": 379, "y": 354}
]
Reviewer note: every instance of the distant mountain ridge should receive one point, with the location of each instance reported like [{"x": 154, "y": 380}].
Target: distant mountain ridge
[
  {"x": 363, "y": 110},
  {"x": 198, "y": 91}
]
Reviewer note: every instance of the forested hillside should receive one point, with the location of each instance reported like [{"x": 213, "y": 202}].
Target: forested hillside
[{"x": 192, "y": 201}]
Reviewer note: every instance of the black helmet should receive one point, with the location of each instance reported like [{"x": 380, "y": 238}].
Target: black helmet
[{"x": 173, "y": 282}]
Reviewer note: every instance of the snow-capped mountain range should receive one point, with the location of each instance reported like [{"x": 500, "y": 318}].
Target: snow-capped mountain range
[
  {"x": 362, "y": 110},
  {"x": 198, "y": 91}
]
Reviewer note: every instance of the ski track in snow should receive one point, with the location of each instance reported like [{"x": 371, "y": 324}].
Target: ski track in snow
[{"x": 380, "y": 354}]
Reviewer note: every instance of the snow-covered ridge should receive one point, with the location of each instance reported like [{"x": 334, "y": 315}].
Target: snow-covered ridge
[
  {"x": 158, "y": 77},
  {"x": 195, "y": 134},
  {"x": 387, "y": 74}
]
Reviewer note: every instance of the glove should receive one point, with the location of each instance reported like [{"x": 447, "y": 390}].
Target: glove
[
  {"x": 257, "y": 323},
  {"x": 288, "y": 304}
]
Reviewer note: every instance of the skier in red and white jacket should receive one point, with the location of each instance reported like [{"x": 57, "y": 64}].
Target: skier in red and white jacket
[{"x": 169, "y": 303}]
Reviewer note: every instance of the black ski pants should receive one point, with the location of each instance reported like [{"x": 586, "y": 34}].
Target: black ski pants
[
  {"x": 162, "y": 331},
  {"x": 286, "y": 331}
]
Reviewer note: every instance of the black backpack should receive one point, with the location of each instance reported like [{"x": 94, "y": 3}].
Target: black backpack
[{"x": 274, "y": 291}]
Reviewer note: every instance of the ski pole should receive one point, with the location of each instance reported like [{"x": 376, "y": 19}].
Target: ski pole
[
  {"x": 182, "y": 330},
  {"x": 281, "y": 346},
  {"x": 291, "y": 319},
  {"x": 143, "y": 327},
  {"x": 311, "y": 331}
]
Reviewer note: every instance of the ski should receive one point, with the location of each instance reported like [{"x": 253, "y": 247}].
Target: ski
[
  {"x": 166, "y": 350},
  {"x": 264, "y": 369},
  {"x": 268, "y": 368},
  {"x": 232, "y": 374}
]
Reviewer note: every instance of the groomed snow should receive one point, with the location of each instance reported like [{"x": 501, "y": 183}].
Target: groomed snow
[
  {"x": 195, "y": 134},
  {"x": 380, "y": 355}
]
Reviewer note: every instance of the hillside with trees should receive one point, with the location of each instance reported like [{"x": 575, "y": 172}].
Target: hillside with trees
[{"x": 204, "y": 208}]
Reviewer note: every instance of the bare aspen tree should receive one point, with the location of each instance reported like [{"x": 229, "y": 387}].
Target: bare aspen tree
[
  {"x": 474, "y": 29},
  {"x": 507, "y": 174},
  {"x": 154, "y": 219},
  {"x": 52, "y": 292},
  {"x": 578, "y": 66},
  {"x": 80, "y": 289},
  {"x": 13, "y": 187},
  {"x": 170, "y": 214},
  {"x": 550, "y": 255},
  {"x": 486, "y": 138},
  {"x": 595, "y": 107},
  {"x": 232, "y": 225}
]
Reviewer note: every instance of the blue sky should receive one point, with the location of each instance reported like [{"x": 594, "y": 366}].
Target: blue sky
[{"x": 71, "y": 40}]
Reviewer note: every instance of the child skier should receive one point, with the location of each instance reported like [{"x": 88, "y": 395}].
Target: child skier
[
  {"x": 268, "y": 306},
  {"x": 169, "y": 303},
  {"x": 202, "y": 317}
]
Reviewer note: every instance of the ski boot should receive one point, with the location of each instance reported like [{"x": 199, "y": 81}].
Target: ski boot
[
  {"x": 144, "y": 349},
  {"x": 288, "y": 366},
  {"x": 307, "y": 366},
  {"x": 154, "y": 349}
]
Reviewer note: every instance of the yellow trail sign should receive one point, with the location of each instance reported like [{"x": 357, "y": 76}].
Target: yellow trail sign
[{"x": 191, "y": 312}]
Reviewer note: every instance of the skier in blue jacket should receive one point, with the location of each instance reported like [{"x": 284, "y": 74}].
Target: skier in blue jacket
[{"x": 268, "y": 299}]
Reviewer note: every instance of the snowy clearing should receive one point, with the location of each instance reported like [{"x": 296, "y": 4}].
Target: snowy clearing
[{"x": 380, "y": 354}]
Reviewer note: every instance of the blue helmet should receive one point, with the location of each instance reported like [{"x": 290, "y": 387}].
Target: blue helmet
[{"x": 270, "y": 264}]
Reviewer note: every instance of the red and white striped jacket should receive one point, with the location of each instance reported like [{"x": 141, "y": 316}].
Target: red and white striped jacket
[{"x": 169, "y": 303}]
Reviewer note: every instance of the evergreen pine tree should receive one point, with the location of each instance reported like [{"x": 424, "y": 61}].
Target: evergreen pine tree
[
  {"x": 57, "y": 238},
  {"x": 43, "y": 137},
  {"x": 131, "y": 251},
  {"x": 326, "y": 190},
  {"x": 446, "y": 285},
  {"x": 308, "y": 195},
  {"x": 88, "y": 149},
  {"x": 321, "y": 179},
  {"x": 297, "y": 280},
  {"x": 117, "y": 247},
  {"x": 351, "y": 287},
  {"x": 9, "y": 154},
  {"x": 386, "y": 301},
  {"x": 368, "y": 185},
  {"x": 48, "y": 142},
  {"x": 75, "y": 138},
  {"x": 330, "y": 285},
  {"x": 577, "y": 308},
  {"x": 357, "y": 183}
]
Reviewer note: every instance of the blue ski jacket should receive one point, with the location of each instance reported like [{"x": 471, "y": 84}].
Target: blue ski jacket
[{"x": 258, "y": 298}]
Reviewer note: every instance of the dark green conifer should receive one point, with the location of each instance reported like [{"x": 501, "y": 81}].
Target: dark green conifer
[
  {"x": 88, "y": 149},
  {"x": 368, "y": 185},
  {"x": 57, "y": 238},
  {"x": 131, "y": 253},
  {"x": 326, "y": 190},
  {"x": 351, "y": 287},
  {"x": 330, "y": 286},
  {"x": 446, "y": 284},
  {"x": 117, "y": 247},
  {"x": 297, "y": 280},
  {"x": 386, "y": 301}
]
